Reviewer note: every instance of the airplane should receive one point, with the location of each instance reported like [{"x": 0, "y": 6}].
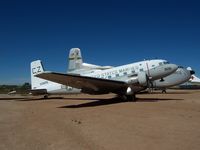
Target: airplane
[
  {"x": 12, "y": 92},
  {"x": 126, "y": 80},
  {"x": 181, "y": 75},
  {"x": 194, "y": 79}
]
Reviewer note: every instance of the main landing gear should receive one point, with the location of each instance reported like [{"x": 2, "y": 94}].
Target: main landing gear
[
  {"x": 129, "y": 98},
  {"x": 164, "y": 91}
]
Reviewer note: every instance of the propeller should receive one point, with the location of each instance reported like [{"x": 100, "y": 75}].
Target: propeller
[{"x": 149, "y": 84}]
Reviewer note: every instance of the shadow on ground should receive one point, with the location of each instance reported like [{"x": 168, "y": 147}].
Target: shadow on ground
[
  {"x": 28, "y": 99},
  {"x": 12, "y": 98},
  {"x": 42, "y": 99},
  {"x": 94, "y": 102},
  {"x": 115, "y": 100},
  {"x": 168, "y": 92}
]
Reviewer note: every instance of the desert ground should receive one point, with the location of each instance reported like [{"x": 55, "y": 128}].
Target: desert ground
[{"x": 156, "y": 121}]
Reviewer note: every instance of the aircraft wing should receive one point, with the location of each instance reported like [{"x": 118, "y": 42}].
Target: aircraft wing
[{"x": 88, "y": 84}]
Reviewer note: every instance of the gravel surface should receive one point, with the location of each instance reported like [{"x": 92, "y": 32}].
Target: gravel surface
[{"x": 156, "y": 121}]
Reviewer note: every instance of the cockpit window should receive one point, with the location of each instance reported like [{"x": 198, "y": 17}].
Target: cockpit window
[
  {"x": 165, "y": 62},
  {"x": 180, "y": 67},
  {"x": 141, "y": 69}
]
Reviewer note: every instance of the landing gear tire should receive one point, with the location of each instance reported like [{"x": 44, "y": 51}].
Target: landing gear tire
[
  {"x": 45, "y": 96},
  {"x": 129, "y": 98}
]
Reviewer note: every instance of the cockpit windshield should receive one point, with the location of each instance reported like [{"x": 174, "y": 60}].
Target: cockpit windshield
[
  {"x": 165, "y": 62},
  {"x": 180, "y": 67}
]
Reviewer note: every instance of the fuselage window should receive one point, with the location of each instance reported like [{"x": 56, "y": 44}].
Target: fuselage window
[
  {"x": 141, "y": 69},
  {"x": 125, "y": 73}
]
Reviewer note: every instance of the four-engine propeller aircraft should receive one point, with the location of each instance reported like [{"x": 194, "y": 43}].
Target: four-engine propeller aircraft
[{"x": 126, "y": 80}]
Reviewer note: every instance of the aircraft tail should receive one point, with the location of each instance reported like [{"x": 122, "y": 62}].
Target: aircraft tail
[
  {"x": 75, "y": 62},
  {"x": 36, "y": 67},
  {"x": 75, "y": 59}
]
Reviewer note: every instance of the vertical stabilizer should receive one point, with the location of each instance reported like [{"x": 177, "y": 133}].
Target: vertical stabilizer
[
  {"x": 36, "y": 67},
  {"x": 75, "y": 59}
]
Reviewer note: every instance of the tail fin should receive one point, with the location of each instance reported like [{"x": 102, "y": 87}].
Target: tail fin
[
  {"x": 75, "y": 59},
  {"x": 36, "y": 67}
]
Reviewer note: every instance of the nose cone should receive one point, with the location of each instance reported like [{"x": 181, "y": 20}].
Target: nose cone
[{"x": 192, "y": 72}]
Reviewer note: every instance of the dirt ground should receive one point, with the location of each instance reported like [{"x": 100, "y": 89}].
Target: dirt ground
[{"x": 156, "y": 121}]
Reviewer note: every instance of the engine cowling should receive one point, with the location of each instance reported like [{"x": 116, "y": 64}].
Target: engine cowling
[
  {"x": 129, "y": 91},
  {"x": 142, "y": 78}
]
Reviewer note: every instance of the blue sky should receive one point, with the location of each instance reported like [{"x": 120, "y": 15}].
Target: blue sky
[{"x": 112, "y": 32}]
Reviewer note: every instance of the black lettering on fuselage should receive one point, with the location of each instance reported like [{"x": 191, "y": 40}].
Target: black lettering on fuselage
[{"x": 43, "y": 83}]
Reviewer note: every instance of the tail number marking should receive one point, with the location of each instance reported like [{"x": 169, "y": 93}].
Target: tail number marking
[{"x": 36, "y": 70}]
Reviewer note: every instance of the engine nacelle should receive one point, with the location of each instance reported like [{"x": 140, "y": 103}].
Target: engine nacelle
[{"x": 142, "y": 78}]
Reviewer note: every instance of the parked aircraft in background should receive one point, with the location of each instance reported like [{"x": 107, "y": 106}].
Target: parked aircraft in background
[
  {"x": 12, "y": 92},
  {"x": 126, "y": 80},
  {"x": 193, "y": 83},
  {"x": 194, "y": 79}
]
